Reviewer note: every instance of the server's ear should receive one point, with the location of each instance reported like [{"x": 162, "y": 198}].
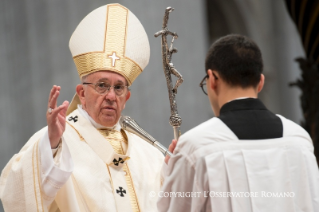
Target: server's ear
[
  {"x": 261, "y": 83},
  {"x": 213, "y": 80}
]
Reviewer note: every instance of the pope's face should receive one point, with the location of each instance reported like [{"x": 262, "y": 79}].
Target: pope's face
[{"x": 105, "y": 109}]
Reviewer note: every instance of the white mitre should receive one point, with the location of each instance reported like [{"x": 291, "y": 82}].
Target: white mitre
[{"x": 109, "y": 38}]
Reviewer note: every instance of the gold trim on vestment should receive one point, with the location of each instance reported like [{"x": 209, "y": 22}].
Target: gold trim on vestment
[
  {"x": 115, "y": 41},
  {"x": 115, "y": 138},
  {"x": 36, "y": 172},
  {"x": 81, "y": 138},
  {"x": 131, "y": 189},
  {"x": 35, "y": 190}
]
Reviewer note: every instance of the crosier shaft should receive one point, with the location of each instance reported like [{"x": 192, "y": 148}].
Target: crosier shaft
[{"x": 169, "y": 69}]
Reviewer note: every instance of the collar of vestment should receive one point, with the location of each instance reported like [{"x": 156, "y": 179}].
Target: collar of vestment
[
  {"x": 243, "y": 104},
  {"x": 117, "y": 126},
  {"x": 249, "y": 119},
  {"x": 97, "y": 140}
]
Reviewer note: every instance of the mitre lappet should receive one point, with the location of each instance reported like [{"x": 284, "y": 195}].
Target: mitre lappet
[{"x": 110, "y": 38}]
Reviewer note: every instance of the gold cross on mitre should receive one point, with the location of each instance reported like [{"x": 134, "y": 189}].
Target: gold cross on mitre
[{"x": 114, "y": 58}]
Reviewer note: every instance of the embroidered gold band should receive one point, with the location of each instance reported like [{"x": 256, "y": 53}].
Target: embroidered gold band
[
  {"x": 36, "y": 177},
  {"x": 81, "y": 138},
  {"x": 97, "y": 61},
  {"x": 115, "y": 36},
  {"x": 113, "y": 56}
]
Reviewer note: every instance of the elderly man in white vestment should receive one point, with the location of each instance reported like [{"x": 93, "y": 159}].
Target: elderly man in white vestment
[
  {"x": 246, "y": 159},
  {"x": 83, "y": 160}
]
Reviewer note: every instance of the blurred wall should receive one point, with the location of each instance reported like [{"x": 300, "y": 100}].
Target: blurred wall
[
  {"x": 34, "y": 55},
  {"x": 267, "y": 22}
]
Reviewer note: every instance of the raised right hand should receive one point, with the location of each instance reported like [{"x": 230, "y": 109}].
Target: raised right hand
[{"x": 56, "y": 119}]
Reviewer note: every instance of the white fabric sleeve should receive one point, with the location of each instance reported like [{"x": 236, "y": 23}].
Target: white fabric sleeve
[
  {"x": 54, "y": 171},
  {"x": 180, "y": 186},
  {"x": 164, "y": 173},
  {"x": 164, "y": 170}
]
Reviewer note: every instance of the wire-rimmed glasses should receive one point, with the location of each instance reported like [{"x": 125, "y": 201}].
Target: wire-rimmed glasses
[
  {"x": 104, "y": 88},
  {"x": 202, "y": 84}
]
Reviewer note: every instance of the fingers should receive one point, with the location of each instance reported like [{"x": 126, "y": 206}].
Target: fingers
[
  {"x": 174, "y": 141},
  {"x": 171, "y": 148},
  {"x": 61, "y": 118},
  {"x": 65, "y": 108},
  {"x": 53, "y": 102},
  {"x": 54, "y": 94},
  {"x": 60, "y": 110},
  {"x": 166, "y": 159}
]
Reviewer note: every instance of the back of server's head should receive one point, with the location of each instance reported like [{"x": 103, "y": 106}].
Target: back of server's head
[{"x": 237, "y": 59}]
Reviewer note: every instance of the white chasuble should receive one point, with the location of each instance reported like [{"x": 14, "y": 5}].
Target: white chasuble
[
  {"x": 106, "y": 176},
  {"x": 19, "y": 193}
]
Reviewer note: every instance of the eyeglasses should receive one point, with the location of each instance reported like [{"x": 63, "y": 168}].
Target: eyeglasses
[
  {"x": 103, "y": 88},
  {"x": 202, "y": 84}
]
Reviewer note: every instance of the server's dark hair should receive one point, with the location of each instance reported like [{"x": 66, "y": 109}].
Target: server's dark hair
[{"x": 237, "y": 59}]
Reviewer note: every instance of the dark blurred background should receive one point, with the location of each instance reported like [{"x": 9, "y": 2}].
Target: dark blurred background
[{"x": 34, "y": 55}]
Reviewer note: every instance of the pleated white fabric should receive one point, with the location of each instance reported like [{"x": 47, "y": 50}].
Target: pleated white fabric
[{"x": 231, "y": 175}]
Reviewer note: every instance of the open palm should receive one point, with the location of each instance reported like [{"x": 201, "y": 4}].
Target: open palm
[{"x": 56, "y": 118}]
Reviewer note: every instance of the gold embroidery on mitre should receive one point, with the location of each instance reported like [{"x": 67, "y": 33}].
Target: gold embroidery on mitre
[
  {"x": 116, "y": 138},
  {"x": 114, "y": 42}
]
